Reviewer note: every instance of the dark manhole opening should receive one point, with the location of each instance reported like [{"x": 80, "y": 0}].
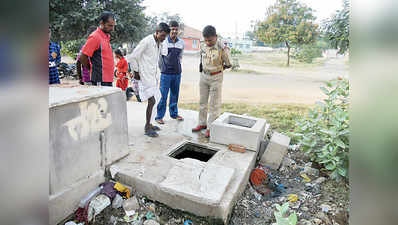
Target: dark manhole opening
[{"x": 193, "y": 151}]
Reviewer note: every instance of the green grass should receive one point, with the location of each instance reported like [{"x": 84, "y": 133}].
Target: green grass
[{"x": 282, "y": 117}]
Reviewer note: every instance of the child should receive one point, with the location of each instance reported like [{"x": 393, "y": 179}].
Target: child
[{"x": 122, "y": 68}]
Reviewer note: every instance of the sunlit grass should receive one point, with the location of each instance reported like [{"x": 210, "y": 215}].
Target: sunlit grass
[{"x": 282, "y": 117}]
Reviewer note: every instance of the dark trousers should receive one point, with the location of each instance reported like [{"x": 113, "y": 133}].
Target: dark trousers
[{"x": 169, "y": 82}]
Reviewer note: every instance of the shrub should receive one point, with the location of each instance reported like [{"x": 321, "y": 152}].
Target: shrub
[
  {"x": 235, "y": 52},
  {"x": 324, "y": 133},
  {"x": 307, "y": 53}
]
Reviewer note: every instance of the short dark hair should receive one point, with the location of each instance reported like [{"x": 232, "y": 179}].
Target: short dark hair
[
  {"x": 118, "y": 52},
  {"x": 163, "y": 27},
  {"x": 174, "y": 23},
  {"x": 105, "y": 16},
  {"x": 209, "y": 31}
]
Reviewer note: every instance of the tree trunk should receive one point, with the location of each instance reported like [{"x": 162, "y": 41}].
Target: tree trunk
[{"x": 288, "y": 53}]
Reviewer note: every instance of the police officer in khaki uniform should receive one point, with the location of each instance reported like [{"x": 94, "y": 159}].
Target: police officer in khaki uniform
[{"x": 215, "y": 58}]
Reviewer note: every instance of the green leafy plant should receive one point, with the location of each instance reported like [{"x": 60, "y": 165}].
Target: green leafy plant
[
  {"x": 281, "y": 215},
  {"x": 324, "y": 132},
  {"x": 307, "y": 53}
]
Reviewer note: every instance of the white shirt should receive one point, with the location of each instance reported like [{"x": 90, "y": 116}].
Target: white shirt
[{"x": 144, "y": 60}]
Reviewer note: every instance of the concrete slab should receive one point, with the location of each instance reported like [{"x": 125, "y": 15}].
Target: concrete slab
[
  {"x": 151, "y": 171},
  {"x": 64, "y": 203},
  {"x": 88, "y": 131},
  {"x": 197, "y": 181},
  {"x": 86, "y": 134},
  {"x": 238, "y": 129},
  {"x": 275, "y": 151}
]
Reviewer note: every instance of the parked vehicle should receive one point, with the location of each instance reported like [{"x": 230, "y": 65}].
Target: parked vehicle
[{"x": 67, "y": 71}]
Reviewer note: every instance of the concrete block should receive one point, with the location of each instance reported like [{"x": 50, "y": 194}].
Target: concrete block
[
  {"x": 198, "y": 181},
  {"x": 149, "y": 164},
  {"x": 263, "y": 143},
  {"x": 64, "y": 203},
  {"x": 238, "y": 129},
  {"x": 88, "y": 130},
  {"x": 276, "y": 150}
]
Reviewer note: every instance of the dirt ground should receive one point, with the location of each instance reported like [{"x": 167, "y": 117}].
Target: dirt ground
[{"x": 269, "y": 83}]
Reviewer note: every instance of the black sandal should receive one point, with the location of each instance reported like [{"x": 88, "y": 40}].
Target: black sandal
[
  {"x": 155, "y": 128},
  {"x": 151, "y": 133}
]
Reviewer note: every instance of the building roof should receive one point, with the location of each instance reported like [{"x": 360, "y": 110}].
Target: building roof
[{"x": 190, "y": 32}]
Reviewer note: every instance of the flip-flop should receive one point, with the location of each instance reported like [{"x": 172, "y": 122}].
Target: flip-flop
[
  {"x": 155, "y": 128},
  {"x": 160, "y": 121},
  {"x": 151, "y": 133},
  {"x": 179, "y": 118}
]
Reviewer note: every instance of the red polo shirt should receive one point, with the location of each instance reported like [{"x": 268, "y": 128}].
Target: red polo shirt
[{"x": 98, "y": 48}]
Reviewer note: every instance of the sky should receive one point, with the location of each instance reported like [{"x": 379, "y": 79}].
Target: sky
[{"x": 229, "y": 17}]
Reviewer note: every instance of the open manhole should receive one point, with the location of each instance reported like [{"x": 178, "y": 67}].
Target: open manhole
[
  {"x": 240, "y": 121},
  {"x": 193, "y": 151}
]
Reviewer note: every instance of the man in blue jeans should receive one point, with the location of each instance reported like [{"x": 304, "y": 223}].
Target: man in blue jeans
[{"x": 170, "y": 67}]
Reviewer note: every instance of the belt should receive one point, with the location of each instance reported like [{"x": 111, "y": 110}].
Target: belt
[{"x": 213, "y": 73}]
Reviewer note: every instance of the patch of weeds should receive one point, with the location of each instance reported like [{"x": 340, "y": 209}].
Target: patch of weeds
[{"x": 282, "y": 117}]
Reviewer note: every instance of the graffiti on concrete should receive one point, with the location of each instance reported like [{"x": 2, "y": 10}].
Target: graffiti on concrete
[{"x": 93, "y": 118}]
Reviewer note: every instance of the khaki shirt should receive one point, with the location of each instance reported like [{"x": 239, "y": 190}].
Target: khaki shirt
[{"x": 213, "y": 58}]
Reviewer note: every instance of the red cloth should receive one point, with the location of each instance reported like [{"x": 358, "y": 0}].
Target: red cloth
[
  {"x": 258, "y": 177},
  {"x": 122, "y": 80},
  {"x": 98, "y": 48}
]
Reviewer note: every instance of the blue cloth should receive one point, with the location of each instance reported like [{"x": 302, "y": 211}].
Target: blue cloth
[
  {"x": 172, "y": 82},
  {"x": 53, "y": 50},
  {"x": 171, "y": 55}
]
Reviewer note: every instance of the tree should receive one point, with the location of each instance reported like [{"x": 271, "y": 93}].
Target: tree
[
  {"x": 337, "y": 29},
  {"x": 165, "y": 18},
  {"x": 289, "y": 22},
  {"x": 70, "y": 19}
]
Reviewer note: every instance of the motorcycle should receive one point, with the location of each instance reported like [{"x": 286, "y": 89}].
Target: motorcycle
[{"x": 67, "y": 71}]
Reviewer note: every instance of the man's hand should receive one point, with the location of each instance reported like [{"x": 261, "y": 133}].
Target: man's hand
[
  {"x": 84, "y": 60},
  {"x": 136, "y": 75},
  {"x": 79, "y": 71}
]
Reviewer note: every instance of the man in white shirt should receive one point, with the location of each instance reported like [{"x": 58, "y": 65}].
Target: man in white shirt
[{"x": 144, "y": 62}]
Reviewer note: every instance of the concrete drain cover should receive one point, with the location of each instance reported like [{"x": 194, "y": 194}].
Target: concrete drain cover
[
  {"x": 238, "y": 129},
  {"x": 240, "y": 121},
  {"x": 193, "y": 151},
  {"x": 200, "y": 183}
]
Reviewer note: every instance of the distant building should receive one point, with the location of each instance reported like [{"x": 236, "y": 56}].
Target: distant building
[
  {"x": 241, "y": 45},
  {"x": 191, "y": 37}
]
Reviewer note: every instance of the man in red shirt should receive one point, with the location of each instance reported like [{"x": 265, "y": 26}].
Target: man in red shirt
[{"x": 98, "y": 48}]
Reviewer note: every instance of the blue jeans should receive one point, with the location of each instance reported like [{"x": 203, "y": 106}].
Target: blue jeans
[{"x": 172, "y": 82}]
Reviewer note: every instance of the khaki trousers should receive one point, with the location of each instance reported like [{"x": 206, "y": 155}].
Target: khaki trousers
[{"x": 210, "y": 86}]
